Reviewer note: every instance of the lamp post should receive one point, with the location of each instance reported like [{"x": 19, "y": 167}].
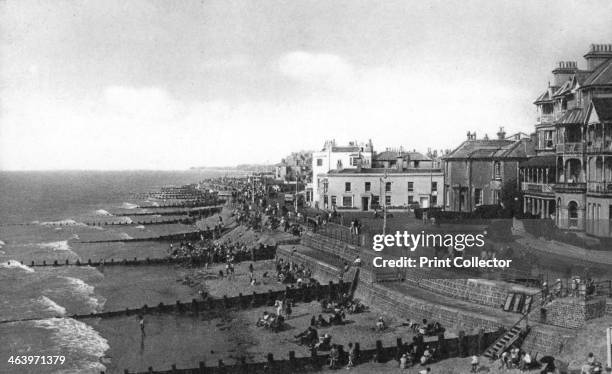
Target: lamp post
[{"x": 384, "y": 204}]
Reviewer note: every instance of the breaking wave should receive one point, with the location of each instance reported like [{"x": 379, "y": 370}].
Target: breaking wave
[
  {"x": 12, "y": 264},
  {"x": 141, "y": 227},
  {"x": 102, "y": 212},
  {"x": 56, "y": 246},
  {"x": 79, "y": 338},
  {"x": 52, "y": 306},
  {"x": 125, "y": 236},
  {"x": 64, "y": 222},
  {"x": 129, "y": 206},
  {"x": 126, "y": 220},
  {"x": 86, "y": 291},
  {"x": 2, "y": 244}
]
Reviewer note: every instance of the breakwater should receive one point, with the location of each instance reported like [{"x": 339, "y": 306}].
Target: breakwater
[
  {"x": 209, "y": 210},
  {"x": 461, "y": 346},
  {"x": 194, "y": 307}
]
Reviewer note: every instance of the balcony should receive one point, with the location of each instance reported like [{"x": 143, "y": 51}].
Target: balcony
[
  {"x": 570, "y": 187},
  {"x": 545, "y": 118},
  {"x": 600, "y": 146},
  {"x": 536, "y": 187},
  {"x": 600, "y": 187},
  {"x": 570, "y": 147}
]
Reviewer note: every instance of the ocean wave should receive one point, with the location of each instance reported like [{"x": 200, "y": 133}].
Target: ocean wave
[
  {"x": 2, "y": 244},
  {"x": 126, "y": 220},
  {"x": 141, "y": 227},
  {"x": 64, "y": 222},
  {"x": 86, "y": 291},
  {"x": 12, "y": 264},
  {"x": 52, "y": 306},
  {"x": 56, "y": 246},
  {"x": 129, "y": 206},
  {"x": 125, "y": 236},
  {"x": 102, "y": 212},
  {"x": 78, "y": 338}
]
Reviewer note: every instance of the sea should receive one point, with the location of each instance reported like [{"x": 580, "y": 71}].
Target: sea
[{"x": 43, "y": 217}]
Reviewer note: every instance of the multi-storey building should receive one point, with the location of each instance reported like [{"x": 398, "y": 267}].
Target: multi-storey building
[
  {"x": 405, "y": 179},
  {"x": 333, "y": 157},
  {"x": 570, "y": 177},
  {"x": 483, "y": 172}
]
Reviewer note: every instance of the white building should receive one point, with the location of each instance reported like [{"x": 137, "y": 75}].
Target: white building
[{"x": 333, "y": 157}]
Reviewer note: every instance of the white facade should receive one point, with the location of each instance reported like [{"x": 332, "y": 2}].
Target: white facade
[
  {"x": 370, "y": 188},
  {"x": 333, "y": 157}
]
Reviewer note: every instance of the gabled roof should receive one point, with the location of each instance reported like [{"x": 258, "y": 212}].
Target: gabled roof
[
  {"x": 603, "y": 108},
  {"x": 602, "y": 75},
  {"x": 547, "y": 95},
  {"x": 492, "y": 148}
]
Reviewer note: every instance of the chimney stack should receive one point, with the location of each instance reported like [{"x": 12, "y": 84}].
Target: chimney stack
[
  {"x": 501, "y": 134},
  {"x": 597, "y": 54},
  {"x": 564, "y": 72}
]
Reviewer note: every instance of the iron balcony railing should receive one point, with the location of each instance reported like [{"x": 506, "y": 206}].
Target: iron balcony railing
[
  {"x": 600, "y": 187},
  {"x": 574, "y": 147},
  {"x": 536, "y": 187}
]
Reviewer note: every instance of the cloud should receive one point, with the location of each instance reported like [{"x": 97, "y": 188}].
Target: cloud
[{"x": 320, "y": 69}]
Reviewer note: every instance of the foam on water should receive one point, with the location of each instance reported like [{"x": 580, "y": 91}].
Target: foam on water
[
  {"x": 125, "y": 236},
  {"x": 102, "y": 212},
  {"x": 77, "y": 337},
  {"x": 64, "y": 222},
  {"x": 52, "y": 306},
  {"x": 2, "y": 243},
  {"x": 12, "y": 264},
  {"x": 129, "y": 206},
  {"x": 126, "y": 220},
  {"x": 56, "y": 246},
  {"x": 79, "y": 287},
  {"x": 141, "y": 227}
]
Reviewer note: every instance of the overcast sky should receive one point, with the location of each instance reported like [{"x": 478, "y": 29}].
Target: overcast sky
[{"x": 172, "y": 84}]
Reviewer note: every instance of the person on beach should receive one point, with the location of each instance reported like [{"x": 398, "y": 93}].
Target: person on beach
[{"x": 141, "y": 322}]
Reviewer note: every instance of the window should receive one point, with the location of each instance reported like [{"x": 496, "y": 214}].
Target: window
[
  {"x": 388, "y": 187},
  {"x": 477, "y": 196},
  {"x": 496, "y": 196},
  {"x": 333, "y": 200},
  {"x": 367, "y": 186},
  {"x": 325, "y": 199},
  {"x": 375, "y": 201},
  {"x": 354, "y": 161},
  {"x": 434, "y": 200},
  {"x": 497, "y": 170},
  {"x": 347, "y": 201},
  {"x": 347, "y": 187},
  {"x": 410, "y": 186},
  {"x": 319, "y": 162},
  {"x": 325, "y": 185},
  {"x": 548, "y": 139},
  {"x": 387, "y": 200},
  {"x": 410, "y": 199},
  {"x": 434, "y": 186},
  {"x": 416, "y": 164},
  {"x": 339, "y": 164}
]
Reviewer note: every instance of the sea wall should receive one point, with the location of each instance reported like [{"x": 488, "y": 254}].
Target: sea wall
[
  {"x": 570, "y": 312},
  {"x": 478, "y": 291}
]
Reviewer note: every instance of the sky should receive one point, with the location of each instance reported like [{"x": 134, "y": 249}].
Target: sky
[{"x": 116, "y": 85}]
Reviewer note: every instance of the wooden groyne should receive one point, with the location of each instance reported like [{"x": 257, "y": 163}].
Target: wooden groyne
[
  {"x": 191, "y": 235},
  {"x": 259, "y": 254},
  {"x": 182, "y": 220},
  {"x": 207, "y": 210}
]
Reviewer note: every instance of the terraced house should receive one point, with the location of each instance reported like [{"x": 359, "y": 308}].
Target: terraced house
[{"x": 570, "y": 177}]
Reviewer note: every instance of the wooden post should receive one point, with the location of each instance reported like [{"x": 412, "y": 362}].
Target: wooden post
[
  {"x": 399, "y": 349},
  {"x": 462, "y": 351}
]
